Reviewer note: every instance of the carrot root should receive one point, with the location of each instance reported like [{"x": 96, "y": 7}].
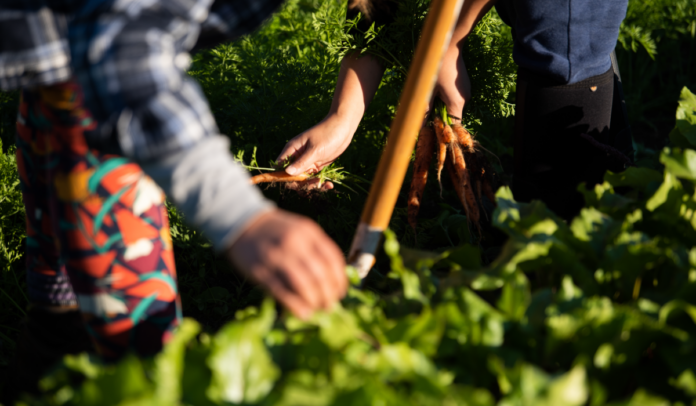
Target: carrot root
[
  {"x": 443, "y": 142},
  {"x": 277, "y": 176},
  {"x": 424, "y": 152},
  {"x": 463, "y": 137},
  {"x": 464, "y": 188}
]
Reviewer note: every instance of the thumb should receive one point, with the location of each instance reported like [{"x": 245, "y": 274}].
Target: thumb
[{"x": 302, "y": 163}]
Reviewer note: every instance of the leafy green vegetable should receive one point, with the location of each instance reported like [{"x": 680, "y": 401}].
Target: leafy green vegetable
[
  {"x": 601, "y": 311},
  {"x": 598, "y": 311},
  {"x": 684, "y": 134}
]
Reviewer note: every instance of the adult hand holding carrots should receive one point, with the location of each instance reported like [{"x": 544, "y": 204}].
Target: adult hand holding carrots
[{"x": 292, "y": 258}]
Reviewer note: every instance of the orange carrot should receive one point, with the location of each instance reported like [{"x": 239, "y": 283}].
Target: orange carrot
[
  {"x": 464, "y": 187},
  {"x": 444, "y": 138},
  {"x": 448, "y": 135},
  {"x": 278, "y": 176},
  {"x": 463, "y": 137},
  {"x": 441, "y": 127},
  {"x": 441, "y": 156},
  {"x": 424, "y": 153},
  {"x": 457, "y": 180}
]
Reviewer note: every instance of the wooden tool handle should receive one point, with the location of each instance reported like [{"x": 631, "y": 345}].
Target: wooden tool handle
[{"x": 391, "y": 171}]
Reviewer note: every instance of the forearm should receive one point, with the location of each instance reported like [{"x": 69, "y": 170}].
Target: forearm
[
  {"x": 453, "y": 74},
  {"x": 358, "y": 80},
  {"x": 472, "y": 12}
]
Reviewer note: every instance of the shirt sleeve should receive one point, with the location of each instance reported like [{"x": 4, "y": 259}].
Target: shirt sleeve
[{"x": 210, "y": 189}]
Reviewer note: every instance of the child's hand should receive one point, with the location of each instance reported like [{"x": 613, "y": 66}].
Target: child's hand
[{"x": 291, "y": 257}]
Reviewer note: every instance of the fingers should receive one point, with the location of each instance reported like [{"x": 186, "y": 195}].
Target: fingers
[
  {"x": 295, "y": 146},
  {"x": 303, "y": 154},
  {"x": 288, "y": 298},
  {"x": 334, "y": 266},
  {"x": 325, "y": 290},
  {"x": 303, "y": 162},
  {"x": 324, "y": 266},
  {"x": 310, "y": 184},
  {"x": 293, "y": 259},
  {"x": 317, "y": 272}
]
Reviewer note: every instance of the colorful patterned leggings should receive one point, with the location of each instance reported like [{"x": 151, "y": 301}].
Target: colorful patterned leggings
[{"x": 97, "y": 229}]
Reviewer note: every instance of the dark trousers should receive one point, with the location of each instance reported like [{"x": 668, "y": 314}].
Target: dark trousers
[{"x": 564, "y": 137}]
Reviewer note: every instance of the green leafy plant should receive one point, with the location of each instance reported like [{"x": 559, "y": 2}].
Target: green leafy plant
[
  {"x": 600, "y": 311},
  {"x": 513, "y": 323},
  {"x": 13, "y": 297}
]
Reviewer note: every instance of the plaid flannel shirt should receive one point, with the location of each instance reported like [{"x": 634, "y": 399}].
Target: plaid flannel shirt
[{"x": 130, "y": 57}]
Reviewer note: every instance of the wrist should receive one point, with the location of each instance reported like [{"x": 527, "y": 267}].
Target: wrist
[{"x": 344, "y": 120}]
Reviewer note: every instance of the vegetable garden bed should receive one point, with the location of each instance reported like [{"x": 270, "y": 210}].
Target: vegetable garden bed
[{"x": 530, "y": 311}]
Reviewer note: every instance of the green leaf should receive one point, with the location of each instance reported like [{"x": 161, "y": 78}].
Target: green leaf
[
  {"x": 302, "y": 387},
  {"x": 684, "y": 132},
  {"x": 508, "y": 209},
  {"x": 123, "y": 383},
  {"x": 635, "y": 177},
  {"x": 663, "y": 193},
  {"x": 677, "y": 304},
  {"x": 602, "y": 358},
  {"x": 409, "y": 279},
  {"x": 642, "y": 398},
  {"x": 526, "y": 384},
  {"x": 570, "y": 389},
  {"x": 465, "y": 256},
  {"x": 170, "y": 363},
  {"x": 681, "y": 164},
  {"x": 337, "y": 327},
  {"x": 515, "y": 297},
  {"x": 686, "y": 382},
  {"x": 241, "y": 364},
  {"x": 483, "y": 324},
  {"x": 595, "y": 230}
]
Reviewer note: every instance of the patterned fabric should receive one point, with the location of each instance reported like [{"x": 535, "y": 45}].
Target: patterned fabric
[
  {"x": 33, "y": 48},
  {"x": 130, "y": 58},
  {"x": 97, "y": 228}
]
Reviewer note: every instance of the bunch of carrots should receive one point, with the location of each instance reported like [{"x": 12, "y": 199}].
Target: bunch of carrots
[{"x": 455, "y": 148}]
